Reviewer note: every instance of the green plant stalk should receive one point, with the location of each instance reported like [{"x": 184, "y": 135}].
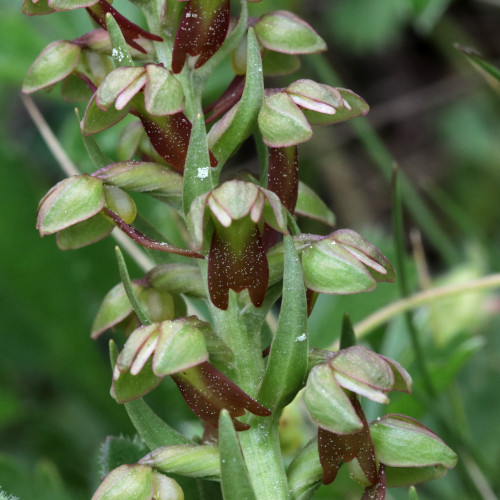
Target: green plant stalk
[
  {"x": 260, "y": 444},
  {"x": 125, "y": 277},
  {"x": 246, "y": 345},
  {"x": 398, "y": 229},
  {"x": 385, "y": 314},
  {"x": 262, "y": 453}
]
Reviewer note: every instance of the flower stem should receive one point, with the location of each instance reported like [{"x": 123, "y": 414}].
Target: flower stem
[
  {"x": 261, "y": 450},
  {"x": 383, "y": 315},
  {"x": 246, "y": 346}
]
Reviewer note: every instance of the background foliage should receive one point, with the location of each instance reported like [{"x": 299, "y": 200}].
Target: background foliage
[{"x": 431, "y": 113}]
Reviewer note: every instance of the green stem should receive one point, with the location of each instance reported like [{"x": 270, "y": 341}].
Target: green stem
[
  {"x": 125, "y": 277},
  {"x": 260, "y": 444},
  {"x": 383, "y": 315},
  {"x": 261, "y": 450},
  {"x": 246, "y": 345},
  {"x": 398, "y": 228}
]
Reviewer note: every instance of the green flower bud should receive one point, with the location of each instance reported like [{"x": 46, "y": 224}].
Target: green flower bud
[
  {"x": 344, "y": 263},
  {"x": 55, "y": 63},
  {"x": 127, "y": 482},
  {"x": 70, "y": 201},
  {"x": 186, "y": 459},
  {"x": 282, "y": 31}
]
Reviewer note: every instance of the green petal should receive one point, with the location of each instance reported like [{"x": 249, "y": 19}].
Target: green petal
[
  {"x": 54, "y": 64},
  {"x": 328, "y": 404},
  {"x": 72, "y": 200}
]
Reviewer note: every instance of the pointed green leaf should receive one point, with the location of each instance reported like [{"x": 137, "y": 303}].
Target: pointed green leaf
[
  {"x": 97, "y": 156},
  {"x": 84, "y": 233},
  {"x": 129, "y": 288},
  {"x": 188, "y": 460},
  {"x": 328, "y": 404},
  {"x": 234, "y": 474},
  {"x": 197, "y": 169},
  {"x": 72, "y": 200},
  {"x": 55, "y": 63},
  {"x": 151, "y": 427},
  {"x": 305, "y": 472},
  {"x": 330, "y": 268},
  {"x": 403, "y": 442},
  {"x": 120, "y": 53},
  {"x": 242, "y": 121},
  {"x": 283, "y": 31},
  {"x": 311, "y": 205},
  {"x": 347, "y": 335},
  {"x": 281, "y": 122},
  {"x": 287, "y": 364}
]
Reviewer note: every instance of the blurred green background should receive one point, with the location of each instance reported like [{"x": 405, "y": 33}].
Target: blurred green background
[{"x": 432, "y": 114}]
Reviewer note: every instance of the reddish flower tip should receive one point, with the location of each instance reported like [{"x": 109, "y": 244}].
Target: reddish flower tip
[
  {"x": 377, "y": 491},
  {"x": 237, "y": 269},
  {"x": 202, "y": 30},
  {"x": 129, "y": 29},
  {"x": 283, "y": 175},
  {"x": 337, "y": 448},
  {"x": 207, "y": 391},
  {"x": 169, "y": 135},
  {"x": 227, "y": 100}
]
